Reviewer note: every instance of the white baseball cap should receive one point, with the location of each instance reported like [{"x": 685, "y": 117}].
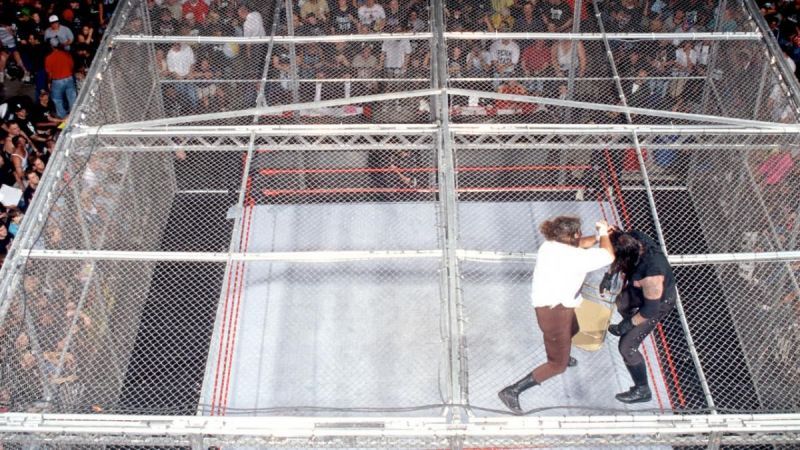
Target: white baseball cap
[{"x": 53, "y": 18}]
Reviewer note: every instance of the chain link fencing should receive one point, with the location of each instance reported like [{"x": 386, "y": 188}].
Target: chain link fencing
[{"x": 394, "y": 230}]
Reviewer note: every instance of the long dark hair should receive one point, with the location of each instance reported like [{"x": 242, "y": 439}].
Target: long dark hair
[
  {"x": 562, "y": 229},
  {"x": 627, "y": 251}
]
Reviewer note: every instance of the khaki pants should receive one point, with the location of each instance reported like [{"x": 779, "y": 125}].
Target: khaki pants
[{"x": 558, "y": 325}]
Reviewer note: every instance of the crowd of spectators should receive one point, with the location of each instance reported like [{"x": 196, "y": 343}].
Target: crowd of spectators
[
  {"x": 47, "y": 47},
  {"x": 782, "y": 18},
  {"x": 667, "y": 74}
]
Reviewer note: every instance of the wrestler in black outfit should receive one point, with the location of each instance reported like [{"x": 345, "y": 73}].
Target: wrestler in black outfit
[{"x": 647, "y": 297}]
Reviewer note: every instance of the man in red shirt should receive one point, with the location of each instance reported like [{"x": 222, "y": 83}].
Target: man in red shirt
[
  {"x": 198, "y": 8},
  {"x": 536, "y": 60},
  {"x": 60, "y": 68}
]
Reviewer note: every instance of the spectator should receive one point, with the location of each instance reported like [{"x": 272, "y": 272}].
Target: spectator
[
  {"x": 318, "y": 8},
  {"x": 344, "y": 18},
  {"x": 366, "y": 66},
  {"x": 371, "y": 16},
  {"x": 478, "y": 61},
  {"x": 529, "y": 22},
  {"x": 513, "y": 87},
  {"x": 683, "y": 66},
  {"x": 57, "y": 35},
  {"x": 44, "y": 116},
  {"x": 205, "y": 89},
  {"x": 339, "y": 63},
  {"x": 504, "y": 55},
  {"x": 281, "y": 61},
  {"x": 536, "y": 63},
  {"x": 17, "y": 154},
  {"x": 31, "y": 48},
  {"x": 419, "y": 63},
  {"x": 311, "y": 61},
  {"x": 562, "y": 57},
  {"x": 60, "y": 69},
  {"x": 180, "y": 66},
  {"x": 22, "y": 119},
  {"x": 414, "y": 23},
  {"x": 38, "y": 164},
  {"x": 15, "y": 217},
  {"x": 7, "y": 171},
  {"x": 311, "y": 26},
  {"x": 5, "y": 237},
  {"x": 85, "y": 45},
  {"x": 455, "y": 65},
  {"x": 394, "y": 56},
  {"x": 8, "y": 40},
  {"x": 556, "y": 13},
  {"x": 395, "y": 15},
  {"x": 500, "y": 20},
  {"x": 198, "y": 8}
]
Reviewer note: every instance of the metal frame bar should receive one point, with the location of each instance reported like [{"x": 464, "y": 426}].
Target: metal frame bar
[
  {"x": 622, "y": 109},
  {"x": 447, "y": 187},
  {"x": 377, "y": 432},
  {"x": 793, "y": 128},
  {"x": 205, "y": 431},
  {"x": 273, "y": 109},
  {"x": 260, "y": 100},
  {"x": 359, "y": 255},
  {"x": 736, "y": 36},
  {"x": 712, "y": 58},
  {"x": 412, "y": 129},
  {"x": 576, "y": 28}
]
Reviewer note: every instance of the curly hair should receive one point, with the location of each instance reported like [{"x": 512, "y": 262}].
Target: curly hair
[{"x": 564, "y": 229}]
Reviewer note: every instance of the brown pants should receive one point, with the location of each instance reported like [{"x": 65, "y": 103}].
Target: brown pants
[{"x": 558, "y": 325}]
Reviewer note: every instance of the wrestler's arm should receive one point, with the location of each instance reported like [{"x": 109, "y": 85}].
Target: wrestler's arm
[
  {"x": 653, "y": 289},
  {"x": 588, "y": 241}
]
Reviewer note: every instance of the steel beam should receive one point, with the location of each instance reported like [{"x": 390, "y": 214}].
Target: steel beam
[
  {"x": 271, "y": 109},
  {"x": 625, "y": 110}
]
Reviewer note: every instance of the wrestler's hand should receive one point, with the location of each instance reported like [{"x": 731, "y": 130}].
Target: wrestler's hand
[
  {"x": 605, "y": 284},
  {"x": 602, "y": 227}
]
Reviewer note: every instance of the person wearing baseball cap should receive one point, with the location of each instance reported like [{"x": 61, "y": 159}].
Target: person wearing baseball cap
[{"x": 58, "y": 35}]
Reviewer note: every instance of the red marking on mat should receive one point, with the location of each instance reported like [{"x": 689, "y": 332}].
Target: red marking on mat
[
  {"x": 359, "y": 190},
  {"x": 228, "y": 352},
  {"x": 216, "y": 396},
  {"x": 673, "y": 372},
  {"x": 653, "y": 378},
  {"x": 606, "y": 192},
  {"x": 219, "y": 350},
  {"x": 617, "y": 187},
  {"x": 248, "y": 214},
  {"x": 234, "y": 332},
  {"x": 418, "y": 169},
  {"x": 602, "y": 208}
]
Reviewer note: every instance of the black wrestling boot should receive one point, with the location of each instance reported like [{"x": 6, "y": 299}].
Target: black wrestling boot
[
  {"x": 621, "y": 328},
  {"x": 636, "y": 394},
  {"x": 572, "y": 362},
  {"x": 510, "y": 394},
  {"x": 640, "y": 392}
]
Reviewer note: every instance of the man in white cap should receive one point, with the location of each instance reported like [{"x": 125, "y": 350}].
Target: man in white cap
[{"x": 57, "y": 35}]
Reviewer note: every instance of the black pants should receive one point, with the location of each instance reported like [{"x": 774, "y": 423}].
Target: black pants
[{"x": 628, "y": 304}]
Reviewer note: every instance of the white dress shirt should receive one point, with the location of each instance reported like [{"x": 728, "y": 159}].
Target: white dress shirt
[{"x": 560, "y": 271}]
